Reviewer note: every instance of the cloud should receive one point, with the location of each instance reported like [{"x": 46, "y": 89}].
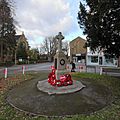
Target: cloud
[
  {"x": 41, "y": 18},
  {"x": 44, "y": 17}
]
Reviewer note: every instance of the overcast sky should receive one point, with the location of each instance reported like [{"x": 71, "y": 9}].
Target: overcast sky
[{"x": 41, "y": 18}]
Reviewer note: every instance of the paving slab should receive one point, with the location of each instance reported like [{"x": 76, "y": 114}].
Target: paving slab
[{"x": 44, "y": 86}]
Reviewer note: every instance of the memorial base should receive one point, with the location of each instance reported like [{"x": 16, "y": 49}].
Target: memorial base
[{"x": 44, "y": 86}]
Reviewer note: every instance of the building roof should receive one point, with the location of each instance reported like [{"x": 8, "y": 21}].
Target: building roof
[
  {"x": 78, "y": 38},
  {"x": 77, "y": 46}
]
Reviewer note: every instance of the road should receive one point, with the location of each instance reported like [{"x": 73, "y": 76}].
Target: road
[
  {"x": 47, "y": 66},
  {"x": 31, "y": 67}
]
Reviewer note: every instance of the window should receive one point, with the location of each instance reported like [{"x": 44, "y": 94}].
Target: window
[
  {"x": 109, "y": 59},
  {"x": 94, "y": 59}
]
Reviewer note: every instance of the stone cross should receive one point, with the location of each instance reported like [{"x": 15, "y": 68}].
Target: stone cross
[{"x": 59, "y": 37}]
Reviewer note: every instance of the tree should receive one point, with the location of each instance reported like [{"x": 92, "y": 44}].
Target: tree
[
  {"x": 33, "y": 54},
  {"x": 49, "y": 46},
  {"x": 21, "y": 51},
  {"x": 65, "y": 47},
  {"x": 7, "y": 29},
  {"x": 100, "y": 20}
]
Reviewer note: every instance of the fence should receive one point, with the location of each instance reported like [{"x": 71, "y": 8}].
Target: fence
[{"x": 84, "y": 68}]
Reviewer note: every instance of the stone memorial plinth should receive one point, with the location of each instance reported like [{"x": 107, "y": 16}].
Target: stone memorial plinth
[
  {"x": 60, "y": 60},
  {"x": 60, "y": 63},
  {"x": 44, "y": 86}
]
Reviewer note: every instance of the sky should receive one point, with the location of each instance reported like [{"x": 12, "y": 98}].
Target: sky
[{"x": 43, "y": 18}]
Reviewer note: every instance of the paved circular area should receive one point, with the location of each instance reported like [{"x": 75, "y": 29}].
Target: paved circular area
[
  {"x": 28, "y": 98},
  {"x": 44, "y": 86}
]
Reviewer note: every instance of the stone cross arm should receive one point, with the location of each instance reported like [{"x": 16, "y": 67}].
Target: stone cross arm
[{"x": 59, "y": 37}]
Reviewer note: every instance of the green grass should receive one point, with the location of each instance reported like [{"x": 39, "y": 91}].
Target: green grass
[
  {"x": 111, "y": 112},
  {"x": 6, "y": 111},
  {"x": 108, "y": 81}
]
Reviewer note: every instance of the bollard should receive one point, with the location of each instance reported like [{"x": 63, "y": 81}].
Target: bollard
[
  {"x": 23, "y": 69},
  {"x": 100, "y": 70},
  {"x": 82, "y": 68},
  {"x": 68, "y": 68},
  {"x": 5, "y": 72}
]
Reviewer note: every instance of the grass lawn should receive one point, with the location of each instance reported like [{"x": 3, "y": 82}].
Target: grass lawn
[{"x": 111, "y": 112}]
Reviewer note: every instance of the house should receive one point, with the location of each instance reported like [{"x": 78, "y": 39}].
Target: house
[
  {"x": 99, "y": 59},
  {"x": 78, "y": 53},
  {"x": 78, "y": 50},
  {"x": 22, "y": 47},
  {"x": 22, "y": 39}
]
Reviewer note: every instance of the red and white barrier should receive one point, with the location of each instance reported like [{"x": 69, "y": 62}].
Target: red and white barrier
[
  {"x": 68, "y": 67},
  {"x": 81, "y": 68}
]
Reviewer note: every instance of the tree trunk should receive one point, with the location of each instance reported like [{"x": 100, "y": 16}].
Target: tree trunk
[
  {"x": 119, "y": 61},
  {"x": 1, "y": 49}
]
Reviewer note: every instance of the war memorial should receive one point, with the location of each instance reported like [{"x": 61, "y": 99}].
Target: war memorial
[
  {"x": 59, "y": 81},
  {"x": 57, "y": 93}
]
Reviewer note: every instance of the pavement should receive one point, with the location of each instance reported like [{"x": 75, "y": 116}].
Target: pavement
[{"x": 26, "y": 97}]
